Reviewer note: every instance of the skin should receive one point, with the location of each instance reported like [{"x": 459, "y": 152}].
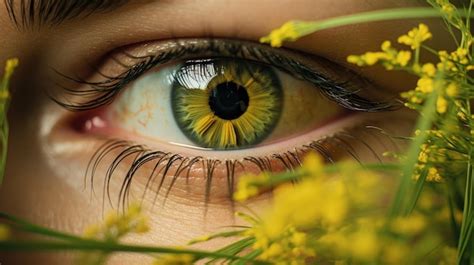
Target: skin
[{"x": 46, "y": 163}]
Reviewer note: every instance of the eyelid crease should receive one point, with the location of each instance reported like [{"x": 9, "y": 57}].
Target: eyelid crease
[{"x": 103, "y": 92}]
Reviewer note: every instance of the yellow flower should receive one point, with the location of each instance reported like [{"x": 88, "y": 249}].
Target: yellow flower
[
  {"x": 403, "y": 57},
  {"x": 460, "y": 56},
  {"x": 452, "y": 90},
  {"x": 313, "y": 164},
  {"x": 116, "y": 225},
  {"x": 425, "y": 85},
  {"x": 428, "y": 69},
  {"x": 433, "y": 175},
  {"x": 298, "y": 238},
  {"x": 10, "y": 67},
  {"x": 423, "y": 155},
  {"x": 4, "y": 82},
  {"x": 92, "y": 231},
  {"x": 4, "y": 232},
  {"x": 410, "y": 225},
  {"x": 395, "y": 253},
  {"x": 446, "y": 7},
  {"x": 274, "y": 250},
  {"x": 386, "y": 46},
  {"x": 289, "y": 244},
  {"x": 365, "y": 244},
  {"x": 174, "y": 259},
  {"x": 441, "y": 105},
  {"x": 247, "y": 186},
  {"x": 445, "y": 63},
  {"x": 290, "y": 31},
  {"x": 416, "y": 36}
]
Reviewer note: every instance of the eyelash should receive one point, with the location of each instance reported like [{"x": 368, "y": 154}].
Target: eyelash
[
  {"x": 328, "y": 147},
  {"x": 104, "y": 92}
]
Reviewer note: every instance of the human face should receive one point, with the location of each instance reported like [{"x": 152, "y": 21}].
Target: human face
[{"x": 51, "y": 147}]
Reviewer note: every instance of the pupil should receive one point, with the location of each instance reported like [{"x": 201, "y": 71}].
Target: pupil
[{"x": 229, "y": 100}]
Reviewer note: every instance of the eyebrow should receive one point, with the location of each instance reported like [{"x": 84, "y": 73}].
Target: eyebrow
[{"x": 37, "y": 13}]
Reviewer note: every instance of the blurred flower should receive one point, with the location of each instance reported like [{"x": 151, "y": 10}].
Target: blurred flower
[{"x": 416, "y": 36}]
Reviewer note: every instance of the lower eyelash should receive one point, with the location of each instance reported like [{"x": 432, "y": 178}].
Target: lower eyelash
[{"x": 330, "y": 148}]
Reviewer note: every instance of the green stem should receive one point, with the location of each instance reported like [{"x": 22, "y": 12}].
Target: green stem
[
  {"x": 372, "y": 16},
  {"x": 467, "y": 227},
  {"x": 109, "y": 247},
  {"x": 406, "y": 186},
  {"x": 26, "y": 226}
]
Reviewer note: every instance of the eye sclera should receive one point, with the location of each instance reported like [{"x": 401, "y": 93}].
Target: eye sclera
[{"x": 98, "y": 125}]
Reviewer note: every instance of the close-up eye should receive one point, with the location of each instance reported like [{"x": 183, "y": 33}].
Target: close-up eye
[
  {"x": 210, "y": 110},
  {"x": 236, "y": 132},
  {"x": 222, "y": 102}
]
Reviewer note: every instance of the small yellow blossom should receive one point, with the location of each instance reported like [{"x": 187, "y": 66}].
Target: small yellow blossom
[
  {"x": 460, "y": 56},
  {"x": 416, "y": 36},
  {"x": 446, "y": 63},
  {"x": 118, "y": 225},
  {"x": 91, "y": 231},
  {"x": 428, "y": 69},
  {"x": 395, "y": 253},
  {"x": 441, "y": 105},
  {"x": 298, "y": 238},
  {"x": 425, "y": 85},
  {"x": 403, "y": 57},
  {"x": 274, "y": 250},
  {"x": 433, "y": 175},
  {"x": 410, "y": 225},
  {"x": 313, "y": 164},
  {"x": 175, "y": 259},
  {"x": 423, "y": 155},
  {"x": 386, "y": 46},
  {"x": 4, "y": 82},
  {"x": 446, "y": 7},
  {"x": 247, "y": 186},
  {"x": 4, "y": 232},
  {"x": 366, "y": 245},
  {"x": 10, "y": 67},
  {"x": 369, "y": 58},
  {"x": 290, "y": 31},
  {"x": 452, "y": 90}
]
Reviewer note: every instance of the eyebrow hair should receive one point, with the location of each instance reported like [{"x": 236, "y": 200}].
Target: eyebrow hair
[{"x": 38, "y": 13}]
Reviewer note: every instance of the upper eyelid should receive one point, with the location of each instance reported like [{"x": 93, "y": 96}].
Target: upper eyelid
[{"x": 341, "y": 92}]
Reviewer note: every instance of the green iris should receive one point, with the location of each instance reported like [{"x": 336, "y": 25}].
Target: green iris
[{"x": 226, "y": 104}]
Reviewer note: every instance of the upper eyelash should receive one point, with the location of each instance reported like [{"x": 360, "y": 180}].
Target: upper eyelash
[{"x": 104, "y": 92}]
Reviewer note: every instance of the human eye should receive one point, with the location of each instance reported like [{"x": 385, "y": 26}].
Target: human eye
[{"x": 212, "y": 109}]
